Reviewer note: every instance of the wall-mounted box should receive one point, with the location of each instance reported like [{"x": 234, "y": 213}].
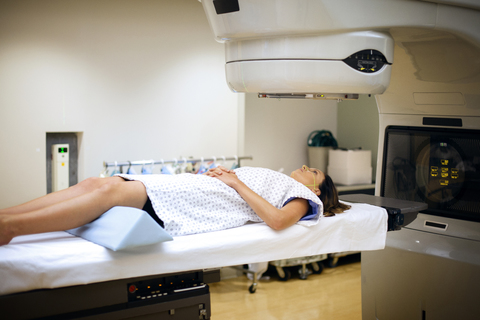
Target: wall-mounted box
[{"x": 60, "y": 166}]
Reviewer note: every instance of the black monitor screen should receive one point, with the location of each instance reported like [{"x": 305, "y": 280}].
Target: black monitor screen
[{"x": 438, "y": 166}]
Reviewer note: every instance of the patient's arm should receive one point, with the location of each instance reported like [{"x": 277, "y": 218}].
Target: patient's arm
[{"x": 277, "y": 219}]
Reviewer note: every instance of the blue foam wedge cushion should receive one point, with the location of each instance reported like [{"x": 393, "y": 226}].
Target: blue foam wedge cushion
[{"x": 122, "y": 227}]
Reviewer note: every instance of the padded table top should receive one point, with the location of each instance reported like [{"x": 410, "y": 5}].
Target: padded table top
[{"x": 58, "y": 259}]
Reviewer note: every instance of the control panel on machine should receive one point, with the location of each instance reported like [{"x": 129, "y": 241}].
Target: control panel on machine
[
  {"x": 367, "y": 61},
  {"x": 166, "y": 288}
]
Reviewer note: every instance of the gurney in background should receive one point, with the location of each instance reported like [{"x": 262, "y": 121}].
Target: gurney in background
[{"x": 254, "y": 271}]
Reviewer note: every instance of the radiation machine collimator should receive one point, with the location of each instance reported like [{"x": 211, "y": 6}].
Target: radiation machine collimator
[{"x": 422, "y": 61}]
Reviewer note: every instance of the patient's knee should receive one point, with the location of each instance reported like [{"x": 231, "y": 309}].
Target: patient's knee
[
  {"x": 90, "y": 184},
  {"x": 118, "y": 192},
  {"x": 95, "y": 183},
  {"x": 110, "y": 186}
]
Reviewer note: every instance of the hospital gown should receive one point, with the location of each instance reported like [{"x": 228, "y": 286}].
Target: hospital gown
[{"x": 190, "y": 204}]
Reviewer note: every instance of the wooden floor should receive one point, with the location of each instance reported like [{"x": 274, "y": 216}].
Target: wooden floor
[{"x": 333, "y": 294}]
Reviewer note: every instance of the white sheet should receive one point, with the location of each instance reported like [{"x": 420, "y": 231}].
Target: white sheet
[{"x": 58, "y": 259}]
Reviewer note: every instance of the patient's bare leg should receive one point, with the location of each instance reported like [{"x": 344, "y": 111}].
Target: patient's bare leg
[
  {"x": 75, "y": 211},
  {"x": 83, "y": 187}
]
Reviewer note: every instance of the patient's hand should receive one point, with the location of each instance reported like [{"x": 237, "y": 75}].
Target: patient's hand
[
  {"x": 223, "y": 174},
  {"x": 218, "y": 171}
]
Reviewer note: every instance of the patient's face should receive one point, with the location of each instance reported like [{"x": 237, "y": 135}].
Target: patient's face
[{"x": 309, "y": 177}]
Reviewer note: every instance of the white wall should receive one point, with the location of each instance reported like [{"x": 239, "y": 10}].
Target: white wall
[
  {"x": 358, "y": 126},
  {"x": 276, "y": 131},
  {"x": 141, "y": 79}
]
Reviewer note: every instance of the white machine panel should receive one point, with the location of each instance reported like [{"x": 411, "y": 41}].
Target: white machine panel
[
  {"x": 355, "y": 62},
  {"x": 270, "y": 18},
  {"x": 304, "y": 76}
]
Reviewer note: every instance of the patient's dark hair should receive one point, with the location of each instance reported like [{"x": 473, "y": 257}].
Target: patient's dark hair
[{"x": 329, "y": 197}]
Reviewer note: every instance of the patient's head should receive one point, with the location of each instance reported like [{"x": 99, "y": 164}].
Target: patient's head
[
  {"x": 329, "y": 197},
  {"x": 322, "y": 185}
]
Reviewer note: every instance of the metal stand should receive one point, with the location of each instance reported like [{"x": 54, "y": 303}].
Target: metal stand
[
  {"x": 304, "y": 272},
  {"x": 253, "y": 286}
]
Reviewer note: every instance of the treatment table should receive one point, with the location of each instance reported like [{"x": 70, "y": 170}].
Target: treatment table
[{"x": 59, "y": 276}]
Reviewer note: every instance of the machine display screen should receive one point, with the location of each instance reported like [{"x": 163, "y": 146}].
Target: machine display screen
[{"x": 438, "y": 166}]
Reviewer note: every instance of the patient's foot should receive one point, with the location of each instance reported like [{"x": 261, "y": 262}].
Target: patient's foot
[{"x": 6, "y": 232}]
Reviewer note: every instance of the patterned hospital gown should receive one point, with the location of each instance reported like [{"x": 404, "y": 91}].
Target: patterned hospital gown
[{"x": 189, "y": 203}]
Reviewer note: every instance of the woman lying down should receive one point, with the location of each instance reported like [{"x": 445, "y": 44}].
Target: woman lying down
[{"x": 183, "y": 204}]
